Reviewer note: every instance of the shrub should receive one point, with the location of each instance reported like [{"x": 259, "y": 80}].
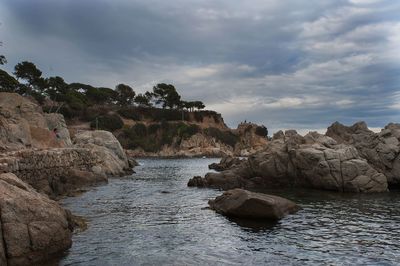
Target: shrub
[
  {"x": 225, "y": 137},
  {"x": 262, "y": 131},
  {"x": 153, "y": 129},
  {"x": 90, "y": 113},
  {"x": 130, "y": 113},
  {"x": 139, "y": 130},
  {"x": 108, "y": 122}
]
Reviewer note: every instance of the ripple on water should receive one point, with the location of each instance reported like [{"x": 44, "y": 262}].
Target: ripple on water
[{"x": 153, "y": 218}]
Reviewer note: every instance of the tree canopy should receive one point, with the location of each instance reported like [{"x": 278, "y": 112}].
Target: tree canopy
[{"x": 77, "y": 97}]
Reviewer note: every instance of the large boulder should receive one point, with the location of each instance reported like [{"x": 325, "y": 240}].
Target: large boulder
[
  {"x": 381, "y": 150},
  {"x": 23, "y": 125},
  {"x": 57, "y": 121},
  {"x": 33, "y": 227},
  {"x": 313, "y": 161},
  {"x": 246, "y": 204},
  {"x": 108, "y": 147}
]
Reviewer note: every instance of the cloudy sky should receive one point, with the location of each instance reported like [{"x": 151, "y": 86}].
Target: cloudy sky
[{"x": 286, "y": 64}]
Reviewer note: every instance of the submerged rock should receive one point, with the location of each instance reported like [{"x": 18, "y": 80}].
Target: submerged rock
[
  {"x": 246, "y": 204},
  {"x": 34, "y": 228}
]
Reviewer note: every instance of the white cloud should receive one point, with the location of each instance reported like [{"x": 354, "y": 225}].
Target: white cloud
[{"x": 364, "y": 2}]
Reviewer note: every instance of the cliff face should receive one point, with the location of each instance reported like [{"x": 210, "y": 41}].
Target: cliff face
[{"x": 188, "y": 140}]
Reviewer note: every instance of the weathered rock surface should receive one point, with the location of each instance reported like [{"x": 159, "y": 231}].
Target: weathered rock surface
[
  {"x": 33, "y": 227},
  {"x": 55, "y": 171},
  {"x": 250, "y": 142},
  {"x": 225, "y": 163},
  {"x": 104, "y": 143},
  {"x": 246, "y": 204},
  {"x": 381, "y": 150},
  {"x": 24, "y": 125},
  {"x": 313, "y": 161}
]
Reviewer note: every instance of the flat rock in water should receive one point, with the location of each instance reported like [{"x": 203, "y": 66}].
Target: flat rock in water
[{"x": 246, "y": 204}]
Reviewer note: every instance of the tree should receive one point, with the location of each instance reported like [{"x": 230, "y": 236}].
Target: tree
[
  {"x": 101, "y": 95},
  {"x": 125, "y": 94},
  {"x": 198, "y": 105},
  {"x": 166, "y": 95},
  {"x": 36, "y": 85},
  {"x": 7, "y": 82},
  {"x": 27, "y": 71},
  {"x": 3, "y": 60},
  {"x": 143, "y": 100},
  {"x": 56, "y": 88},
  {"x": 192, "y": 105}
]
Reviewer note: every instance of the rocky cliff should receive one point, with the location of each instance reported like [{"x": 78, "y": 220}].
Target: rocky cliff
[{"x": 206, "y": 141}]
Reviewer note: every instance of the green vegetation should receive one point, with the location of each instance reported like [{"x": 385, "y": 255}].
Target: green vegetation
[
  {"x": 225, "y": 137},
  {"x": 107, "y": 122},
  {"x": 103, "y": 108},
  {"x": 74, "y": 99},
  {"x": 153, "y": 137},
  {"x": 262, "y": 131}
]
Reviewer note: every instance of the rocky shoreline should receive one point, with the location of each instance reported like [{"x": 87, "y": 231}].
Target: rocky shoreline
[
  {"x": 40, "y": 162},
  {"x": 346, "y": 159},
  {"x": 39, "y": 165}
]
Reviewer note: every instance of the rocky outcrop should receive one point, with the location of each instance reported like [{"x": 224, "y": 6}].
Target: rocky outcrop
[
  {"x": 381, "y": 150},
  {"x": 104, "y": 143},
  {"x": 24, "y": 125},
  {"x": 252, "y": 138},
  {"x": 313, "y": 161},
  {"x": 225, "y": 163},
  {"x": 33, "y": 227},
  {"x": 246, "y": 204},
  {"x": 96, "y": 155}
]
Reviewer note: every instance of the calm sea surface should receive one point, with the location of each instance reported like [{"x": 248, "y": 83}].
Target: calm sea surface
[{"x": 153, "y": 218}]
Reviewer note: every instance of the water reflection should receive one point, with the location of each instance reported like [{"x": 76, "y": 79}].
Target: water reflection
[
  {"x": 153, "y": 218},
  {"x": 254, "y": 225}
]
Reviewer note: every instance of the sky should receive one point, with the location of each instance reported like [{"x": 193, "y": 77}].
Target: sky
[{"x": 285, "y": 64}]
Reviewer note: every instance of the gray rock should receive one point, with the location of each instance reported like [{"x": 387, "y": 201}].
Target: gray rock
[
  {"x": 246, "y": 204},
  {"x": 381, "y": 150},
  {"x": 34, "y": 228},
  {"x": 104, "y": 143},
  {"x": 225, "y": 163},
  {"x": 312, "y": 161}
]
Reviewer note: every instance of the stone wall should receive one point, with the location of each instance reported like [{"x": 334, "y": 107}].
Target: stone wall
[{"x": 51, "y": 171}]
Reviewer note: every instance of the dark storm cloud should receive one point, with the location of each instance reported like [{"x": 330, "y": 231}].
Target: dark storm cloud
[{"x": 287, "y": 64}]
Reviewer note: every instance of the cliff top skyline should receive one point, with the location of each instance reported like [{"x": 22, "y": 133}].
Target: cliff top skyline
[{"x": 291, "y": 64}]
